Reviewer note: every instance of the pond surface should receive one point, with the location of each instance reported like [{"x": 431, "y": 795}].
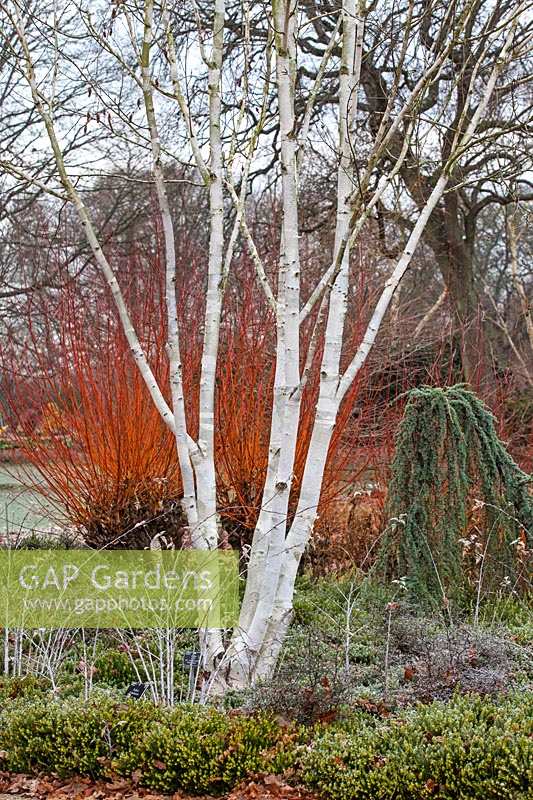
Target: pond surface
[{"x": 23, "y": 508}]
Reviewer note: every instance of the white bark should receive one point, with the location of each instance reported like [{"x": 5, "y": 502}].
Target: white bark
[
  {"x": 173, "y": 338},
  {"x": 328, "y": 403},
  {"x": 269, "y": 536},
  {"x": 349, "y": 78},
  {"x": 180, "y": 97},
  {"x": 351, "y": 234},
  {"x": 199, "y": 483},
  {"x": 326, "y": 414},
  {"x": 205, "y": 463},
  {"x": 276, "y": 551}
]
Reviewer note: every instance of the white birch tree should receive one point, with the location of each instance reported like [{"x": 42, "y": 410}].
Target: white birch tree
[{"x": 140, "y": 39}]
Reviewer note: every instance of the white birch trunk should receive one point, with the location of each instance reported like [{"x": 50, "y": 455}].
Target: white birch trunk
[
  {"x": 326, "y": 415},
  {"x": 348, "y": 82},
  {"x": 173, "y": 343},
  {"x": 269, "y": 536},
  {"x": 328, "y": 405},
  {"x": 206, "y": 535}
]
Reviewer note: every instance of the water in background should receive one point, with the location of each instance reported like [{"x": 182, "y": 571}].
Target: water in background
[{"x": 23, "y": 509}]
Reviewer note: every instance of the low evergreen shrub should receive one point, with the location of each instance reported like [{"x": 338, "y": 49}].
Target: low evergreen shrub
[
  {"x": 65, "y": 738},
  {"x": 15, "y": 686},
  {"x": 114, "y": 668},
  {"x": 467, "y": 749},
  {"x": 189, "y": 747}
]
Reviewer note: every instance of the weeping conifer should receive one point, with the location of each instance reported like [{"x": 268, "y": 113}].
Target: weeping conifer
[{"x": 448, "y": 456}]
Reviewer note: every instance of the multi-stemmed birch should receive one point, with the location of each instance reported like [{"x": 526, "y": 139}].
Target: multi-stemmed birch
[{"x": 223, "y": 162}]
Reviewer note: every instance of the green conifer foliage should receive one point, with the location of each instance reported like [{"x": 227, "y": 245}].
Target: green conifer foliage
[{"x": 448, "y": 459}]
